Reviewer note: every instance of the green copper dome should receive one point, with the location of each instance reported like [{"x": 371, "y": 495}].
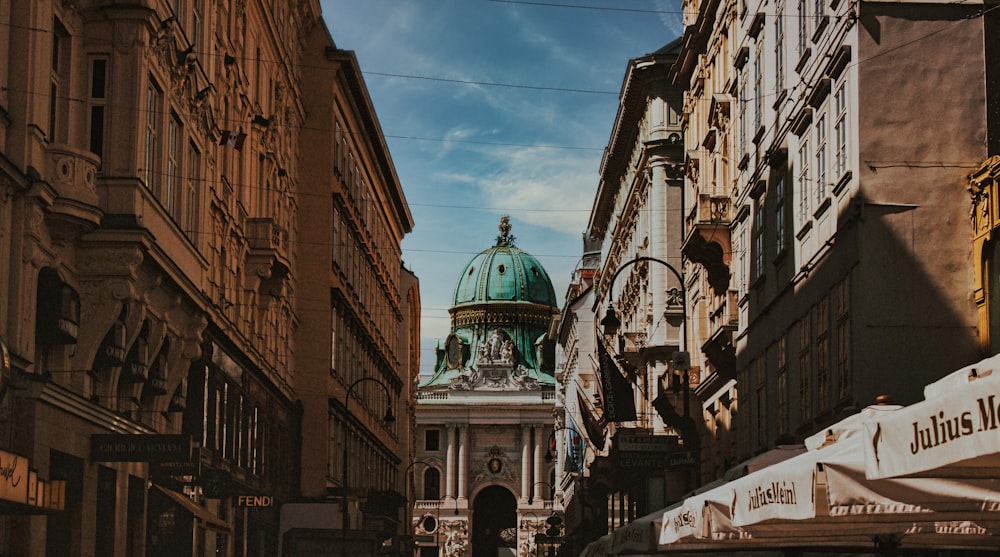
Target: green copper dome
[
  {"x": 504, "y": 273},
  {"x": 502, "y": 313}
]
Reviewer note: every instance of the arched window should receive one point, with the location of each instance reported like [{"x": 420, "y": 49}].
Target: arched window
[{"x": 432, "y": 484}]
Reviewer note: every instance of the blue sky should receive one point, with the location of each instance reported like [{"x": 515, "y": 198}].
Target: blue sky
[{"x": 467, "y": 152}]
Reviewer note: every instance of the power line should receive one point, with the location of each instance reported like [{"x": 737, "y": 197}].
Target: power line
[
  {"x": 492, "y": 83},
  {"x": 584, "y": 7}
]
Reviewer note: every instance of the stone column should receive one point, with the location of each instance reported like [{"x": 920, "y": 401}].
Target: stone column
[
  {"x": 538, "y": 476},
  {"x": 525, "y": 461},
  {"x": 449, "y": 462},
  {"x": 463, "y": 461}
]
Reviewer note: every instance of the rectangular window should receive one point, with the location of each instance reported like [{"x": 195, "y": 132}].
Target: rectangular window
[
  {"x": 170, "y": 197},
  {"x": 154, "y": 102},
  {"x": 196, "y": 22},
  {"x": 58, "y": 80},
  {"x": 823, "y": 354},
  {"x": 781, "y": 380},
  {"x": 821, "y": 159},
  {"x": 97, "y": 104},
  {"x": 744, "y": 102},
  {"x": 840, "y": 132},
  {"x": 844, "y": 338},
  {"x": 779, "y": 48},
  {"x": 760, "y": 399},
  {"x": 192, "y": 209},
  {"x": 758, "y": 239},
  {"x": 758, "y": 85},
  {"x": 803, "y": 182},
  {"x": 805, "y": 369},
  {"x": 803, "y": 28},
  {"x": 432, "y": 440},
  {"x": 780, "y": 216}
]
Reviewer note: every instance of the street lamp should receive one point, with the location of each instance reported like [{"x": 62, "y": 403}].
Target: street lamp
[
  {"x": 387, "y": 420},
  {"x": 531, "y": 496},
  {"x": 611, "y": 323}
]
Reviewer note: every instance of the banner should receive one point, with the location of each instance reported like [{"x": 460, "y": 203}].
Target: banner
[{"x": 619, "y": 402}]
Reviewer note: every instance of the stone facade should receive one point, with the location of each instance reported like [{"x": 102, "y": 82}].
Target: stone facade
[
  {"x": 152, "y": 184},
  {"x": 484, "y": 420}
]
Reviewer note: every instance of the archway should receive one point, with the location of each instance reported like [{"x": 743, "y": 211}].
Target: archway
[{"x": 494, "y": 522}]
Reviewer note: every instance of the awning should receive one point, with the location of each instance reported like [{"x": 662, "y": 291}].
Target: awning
[
  {"x": 954, "y": 432},
  {"x": 822, "y": 498},
  {"x": 199, "y": 512}
]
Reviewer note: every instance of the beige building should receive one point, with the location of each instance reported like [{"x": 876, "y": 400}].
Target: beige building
[
  {"x": 152, "y": 194},
  {"x": 705, "y": 71},
  {"x": 644, "y": 384},
  {"x": 484, "y": 419},
  {"x": 830, "y": 185}
]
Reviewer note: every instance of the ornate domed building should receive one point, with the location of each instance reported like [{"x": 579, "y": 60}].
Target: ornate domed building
[{"x": 483, "y": 478}]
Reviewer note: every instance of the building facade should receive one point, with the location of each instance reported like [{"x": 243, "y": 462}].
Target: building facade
[
  {"x": 643, "y": 377},
  {"x": 357, "y": 318},
  {"x": 484, "y": 419},
  {"x": 580, "y": 436},
  {"x": 148, "y": 226},
  {"x": 151, "y": 205},
  {"x": 811, "y": 175},
  {"x": 704, "y": 70}
]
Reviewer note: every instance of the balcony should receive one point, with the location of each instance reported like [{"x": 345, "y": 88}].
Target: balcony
[
  {"x": 268, "y": 257},
  {"x": 709, "y": 245},
  {"x": 72, "y": 175}
]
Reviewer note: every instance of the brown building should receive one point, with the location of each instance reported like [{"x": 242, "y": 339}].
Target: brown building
[
  {"x": 153, "y": 187},
  {"x": 357, "y": 315}
]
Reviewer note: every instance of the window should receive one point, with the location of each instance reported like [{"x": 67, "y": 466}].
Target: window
[
  {"x": 758, "y": 85},
  {"x": 758, "y": 239},
  {"x": 844, "y": 337},
  {"x": 779, "y": 48},
  {"x": 805, "y": 369},
  {"x": 744, "y": 101},
  {"x": 760, "y": 399},
  {"x": 432, "y": 440},
  {"x": 58, "y": 80},
  {"x": 196, "y": 22},
  {"x": 170, "y": 196},
  {"x": 803, "y": 28},
  {"x": 840, "y": 132},
  {"x": 781, "y": 380},
  {"x": 432, "y": 484},
  {"x": 192, "y": 200},
  {"x": 803, "y": 182},
  {"x": 823, "y": 353},
  {"x": 742, "y": 243},
  {"x": 780, "y": 216},
  {"x": 154, "y": 101},
  {"x": 97, "y": 103},
  {"x": 821, "y": 159}
]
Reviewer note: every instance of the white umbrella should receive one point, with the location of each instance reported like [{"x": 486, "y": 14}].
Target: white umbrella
[{"x": 954, "y": 432}]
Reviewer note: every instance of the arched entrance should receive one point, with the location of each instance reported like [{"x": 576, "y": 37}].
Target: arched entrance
[{"x": 494, "y": 511}]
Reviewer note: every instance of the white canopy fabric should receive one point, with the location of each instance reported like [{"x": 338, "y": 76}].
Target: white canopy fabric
[
  {"x": 954, "y": 432},
  {"x": 924, "y": 476}
]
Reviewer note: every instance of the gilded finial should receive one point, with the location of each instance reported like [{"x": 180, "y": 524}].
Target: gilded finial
[{"x": 505, "y": 238}]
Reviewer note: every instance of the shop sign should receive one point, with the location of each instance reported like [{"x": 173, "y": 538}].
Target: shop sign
[
  {"x": 13, "y": 477},
  {"x": 254, "y": 501},
  {"x": 140, "y": 448},
  {"x": 639, "y": 460},
  {"x": 647, "y": 443}
]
